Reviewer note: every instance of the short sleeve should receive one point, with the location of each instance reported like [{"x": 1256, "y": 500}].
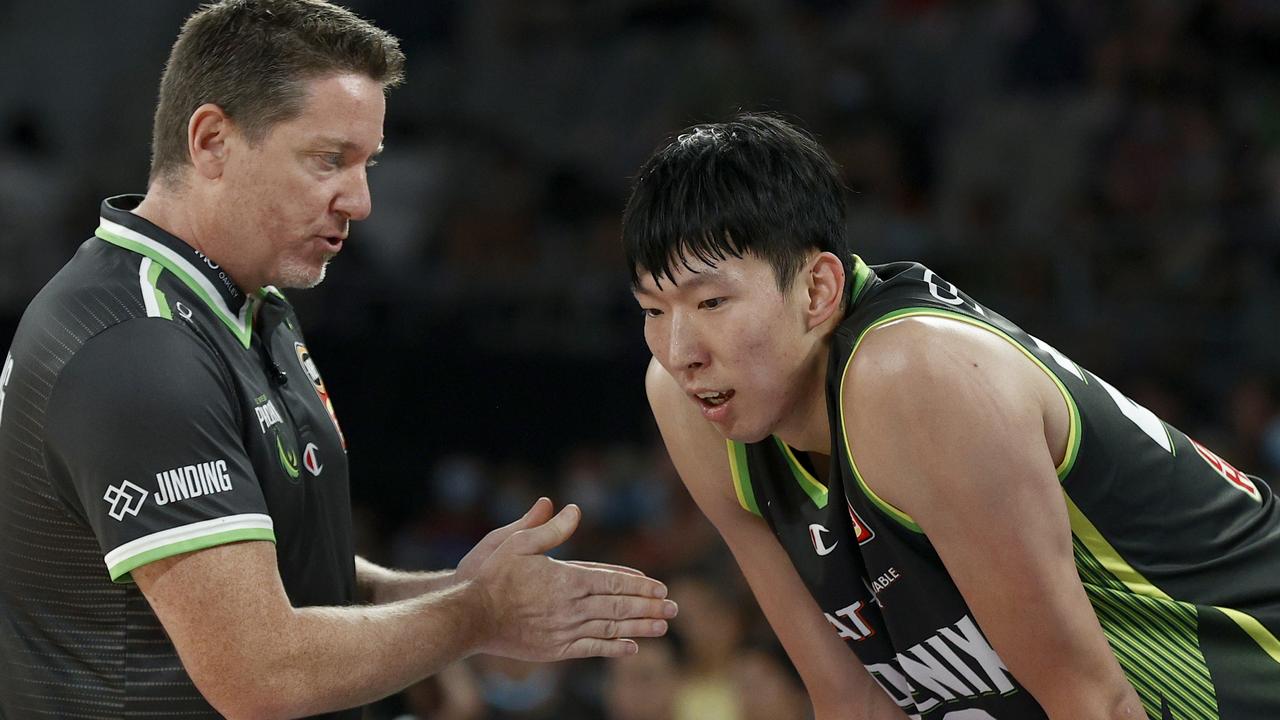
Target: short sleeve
[{"x": 145, "y": 428}]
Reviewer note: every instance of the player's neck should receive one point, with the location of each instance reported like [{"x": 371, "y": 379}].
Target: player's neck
[{"x": 807, "y": 426}]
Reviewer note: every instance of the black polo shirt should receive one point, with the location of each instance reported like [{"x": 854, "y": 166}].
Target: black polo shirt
[{"x": 149, "y": 407}]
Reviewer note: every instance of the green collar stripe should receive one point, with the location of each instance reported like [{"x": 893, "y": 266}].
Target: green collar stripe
[
  {"x": 742, "y": 477},
  {"x": 155, "y": 301},
  {"x": 814, "y": 489},
  {"x": 861, "y": 274},
  {"x": 240, "y": 325}
]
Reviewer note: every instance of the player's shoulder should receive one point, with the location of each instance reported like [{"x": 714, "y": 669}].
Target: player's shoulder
[{"x": 930, "y": 364}]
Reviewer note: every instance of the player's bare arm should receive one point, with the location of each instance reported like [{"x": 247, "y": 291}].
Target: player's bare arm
[
  {"x": 970, "y": 453},
  {"x": 838, "y": 686},
  {"x": 252, "y": 654}
]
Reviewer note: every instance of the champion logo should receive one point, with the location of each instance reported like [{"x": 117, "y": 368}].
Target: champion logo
[
  {"x": 311, "y": 460},
  {"x": 125, "y": 499},
  {"x": 816, "y": 532}
]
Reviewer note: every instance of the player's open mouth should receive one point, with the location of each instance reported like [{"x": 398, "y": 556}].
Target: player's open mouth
[{"x": 714, "y": 398}]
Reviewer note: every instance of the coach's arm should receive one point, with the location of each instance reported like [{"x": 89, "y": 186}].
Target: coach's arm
[
  {"x": 838, "y": 685},
  {"x": 253, "y": 655},
  {"x": 956, "y": 427}
]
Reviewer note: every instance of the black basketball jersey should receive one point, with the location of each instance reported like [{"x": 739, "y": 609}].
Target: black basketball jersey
[
  {"x": 148, "y": 408},
  {"x": 1178, "y": 552}
]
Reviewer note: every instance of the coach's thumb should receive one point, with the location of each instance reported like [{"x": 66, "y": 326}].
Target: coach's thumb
[{"x": 550, "y": 534}]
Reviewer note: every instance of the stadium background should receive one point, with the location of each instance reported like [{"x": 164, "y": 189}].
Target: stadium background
[{"x": 1105, "y": 174}]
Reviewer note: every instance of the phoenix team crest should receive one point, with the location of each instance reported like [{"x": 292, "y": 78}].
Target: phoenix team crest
[{"x": 313, "y": 374}]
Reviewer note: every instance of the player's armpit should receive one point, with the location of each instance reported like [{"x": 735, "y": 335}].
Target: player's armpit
[
  {"x": 838, "y": 685},
  {"x": 948, "y": 423}
]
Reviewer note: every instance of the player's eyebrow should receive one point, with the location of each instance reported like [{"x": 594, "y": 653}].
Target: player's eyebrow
[{"x": 698, "y": 280}]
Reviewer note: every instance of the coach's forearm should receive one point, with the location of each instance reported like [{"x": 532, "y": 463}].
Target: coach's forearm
[
  {"x": 327, "y": 659},
  {"x": 378, "y": 585}
]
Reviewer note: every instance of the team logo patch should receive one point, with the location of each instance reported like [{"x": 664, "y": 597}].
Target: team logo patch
[
  {"x": 311, "y": 460},
  {"x": 1237, "y": 479},
  {"x": 313, "y": 374},
  {"x": 288, "y": 456},
  {"x": 861, "y": 532},
  {"x": 125, "y": 499}
]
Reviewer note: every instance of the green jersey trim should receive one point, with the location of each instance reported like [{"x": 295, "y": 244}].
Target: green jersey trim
[
  {"x": 811, "y": 486},
  {"x": 1111, "y": 559},
  {"x": 861, "y": 274},
  {"x": 240, "y": 325},
  {"x": 1155, "y": 641},
  {"x": 742, "y": 477},
  {"x": 1073, "y": 432},
  {"x": 153, "y": 299},
  {"x": 187, "y": 538}
]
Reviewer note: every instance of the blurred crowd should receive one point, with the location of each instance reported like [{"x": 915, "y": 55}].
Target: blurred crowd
[{"x": 1105, "y": 174}]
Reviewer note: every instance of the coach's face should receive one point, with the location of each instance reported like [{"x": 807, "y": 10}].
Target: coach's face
[{"x": 290, "y": 197}]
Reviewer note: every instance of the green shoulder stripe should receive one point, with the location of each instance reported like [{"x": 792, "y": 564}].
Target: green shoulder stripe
[{"x": 742, "y": 477}]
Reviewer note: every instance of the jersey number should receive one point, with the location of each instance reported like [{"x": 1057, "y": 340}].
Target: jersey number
[{"x": 4, "y": 381}]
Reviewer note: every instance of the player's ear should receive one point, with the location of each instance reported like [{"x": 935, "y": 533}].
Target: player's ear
[
  {"x": 208, "y": 130},
  {"x": 824, "y": 277}
]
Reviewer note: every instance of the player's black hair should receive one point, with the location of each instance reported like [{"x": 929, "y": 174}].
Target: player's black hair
[{"x": 756, "y": 184}]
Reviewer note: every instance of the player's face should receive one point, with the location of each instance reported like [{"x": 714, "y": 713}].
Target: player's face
[
  {"x": 294, "y": 193},
  {"x": 733, "y": 341}
]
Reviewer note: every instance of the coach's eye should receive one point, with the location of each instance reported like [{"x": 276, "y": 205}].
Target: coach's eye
[
  {"x": 651, "y": 312},
  {"x": 711, "y": 303}
]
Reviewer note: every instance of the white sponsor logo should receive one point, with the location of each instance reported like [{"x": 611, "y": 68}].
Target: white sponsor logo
[
  {"x": 192, "y": 481},
  {"x": 311, "y": 460},
  {"x": 268, "y": 416},
  {"x": 815, "y": 534},
  {"x": 125, "y": 499}
]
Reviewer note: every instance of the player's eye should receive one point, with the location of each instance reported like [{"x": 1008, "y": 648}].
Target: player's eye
[
  {"x": 711, "y": 303},
  {"x": 651, "y": 312}
]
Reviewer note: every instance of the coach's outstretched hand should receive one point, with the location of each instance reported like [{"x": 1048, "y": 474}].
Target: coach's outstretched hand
[{"x": 543, "y": 609}]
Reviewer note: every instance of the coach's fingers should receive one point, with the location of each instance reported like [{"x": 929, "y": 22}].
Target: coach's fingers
[
  {"x": 624, "y": 607},
  {"x": 606, "y": 566},
  {"x": 595, "y": 647},
  {"x": 609, "y": 582},
  {"x": 614, "y": 629},
  {"x": 550, "y": 534}
]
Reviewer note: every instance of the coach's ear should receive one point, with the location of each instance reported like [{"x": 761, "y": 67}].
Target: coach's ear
[
  {"x": 207, "y": 133},
  {"x": 824, "y": 281}
]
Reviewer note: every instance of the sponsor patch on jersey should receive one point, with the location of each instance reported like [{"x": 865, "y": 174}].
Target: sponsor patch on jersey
[
  {"x": 1237, "y": 479},
  {"x": 124, "y": 499},
  {"x": 861, "y": 531},
  {"x": 192, "y": 481},
  {"x": 268, "y": 415},
  {"x": 313, "y": 374}
]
